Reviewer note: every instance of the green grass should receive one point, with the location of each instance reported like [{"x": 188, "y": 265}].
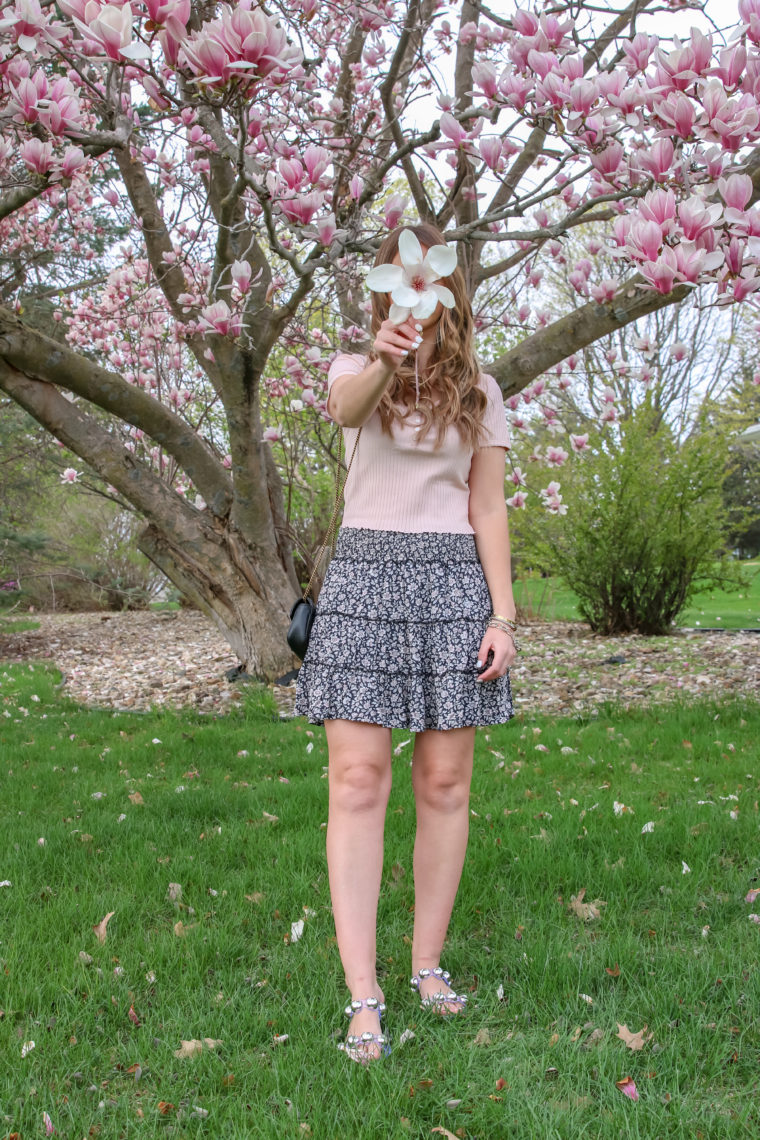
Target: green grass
[
  {"x": 673, "y": 951},
  {"x": 550, "y": 600},
  {"x": 17, "y": 625}
]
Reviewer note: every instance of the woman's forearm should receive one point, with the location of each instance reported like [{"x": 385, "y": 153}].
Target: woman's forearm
[
  {"x": 353, "y": 398},
  {"x": 492, "y": 542}
]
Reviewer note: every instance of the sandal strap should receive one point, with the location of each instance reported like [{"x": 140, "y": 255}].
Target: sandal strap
[
  {"x": 439, "y": 998},
  {"x": 425, "y": 972},
  {"x": 372, "y": 1003}
]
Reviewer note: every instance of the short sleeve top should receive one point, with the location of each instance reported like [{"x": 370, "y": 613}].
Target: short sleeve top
[{"x": 402, "y": 483}]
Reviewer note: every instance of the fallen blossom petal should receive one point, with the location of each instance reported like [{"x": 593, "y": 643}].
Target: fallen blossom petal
[{"x": 628, "y": 1087}]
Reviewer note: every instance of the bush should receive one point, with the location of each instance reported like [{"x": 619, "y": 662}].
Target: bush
[{"x": 644, "y": 529}]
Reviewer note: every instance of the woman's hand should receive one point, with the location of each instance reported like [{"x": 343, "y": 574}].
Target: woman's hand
[
  {"x": 504, "y": 653},
  {"x": 394, "y": 342}
]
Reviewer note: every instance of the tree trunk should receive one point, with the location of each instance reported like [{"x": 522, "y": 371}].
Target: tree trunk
[{"x": 248, "y": 604}]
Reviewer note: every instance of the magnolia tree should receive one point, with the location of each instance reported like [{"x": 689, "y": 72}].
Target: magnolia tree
[{"x": 185, "y": 185}]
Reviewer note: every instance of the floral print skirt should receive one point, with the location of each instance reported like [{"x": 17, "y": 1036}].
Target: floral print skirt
[{"x": 399, "y": 622}]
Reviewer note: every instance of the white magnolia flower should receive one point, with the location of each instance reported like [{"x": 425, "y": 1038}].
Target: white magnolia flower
[{"x": 411, "y": 284}]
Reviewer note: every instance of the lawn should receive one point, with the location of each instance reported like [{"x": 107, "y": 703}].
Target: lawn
[{"x": 217, "y": 824}]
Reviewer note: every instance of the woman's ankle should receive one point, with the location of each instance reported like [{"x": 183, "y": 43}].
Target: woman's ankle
[{"x": 362, "y": 986}]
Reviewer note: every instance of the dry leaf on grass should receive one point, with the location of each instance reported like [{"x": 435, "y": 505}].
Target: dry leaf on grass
[
  {"x": 136, "y": 798},
  {"x": 482, "y": 1037},
  {"x": 633, "y": 1040},
  {"x": 192, "y": 1048},
  {"x": 181, "y": 930},
  {"x": 444, "y": 1132},
  {"x": 586, "y": 911},
  {"x": 100, "y": 928}
]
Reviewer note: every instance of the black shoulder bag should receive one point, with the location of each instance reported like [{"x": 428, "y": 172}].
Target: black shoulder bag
[{"x": 304, "y": 609}]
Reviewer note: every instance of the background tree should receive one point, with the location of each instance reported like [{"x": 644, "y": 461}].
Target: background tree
[{"x": 245, "y": 154}]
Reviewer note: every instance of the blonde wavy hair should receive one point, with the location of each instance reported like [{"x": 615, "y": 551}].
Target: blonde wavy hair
[{"x": 453, "y": 371}]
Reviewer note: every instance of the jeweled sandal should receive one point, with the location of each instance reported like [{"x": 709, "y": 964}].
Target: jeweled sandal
[
  {"x": 356, "y": 1046},
  {"x": 437, "y": 1002}
]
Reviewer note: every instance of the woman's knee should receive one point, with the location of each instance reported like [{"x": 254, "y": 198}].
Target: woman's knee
[
  {"x": 359, "y": 767},
  {"x": 442, "y": 769},
  {"x": 359, "y": 783},
  {"x": 442, "y": 787}
]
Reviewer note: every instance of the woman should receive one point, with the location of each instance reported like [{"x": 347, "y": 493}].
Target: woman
[{"x": 414, "y": 624}]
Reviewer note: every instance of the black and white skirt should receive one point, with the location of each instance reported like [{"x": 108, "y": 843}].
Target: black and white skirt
[{"x": 399, "y": 622}]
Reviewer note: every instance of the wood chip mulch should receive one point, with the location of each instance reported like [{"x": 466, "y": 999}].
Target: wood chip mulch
[{"x": 137, "y": 661}]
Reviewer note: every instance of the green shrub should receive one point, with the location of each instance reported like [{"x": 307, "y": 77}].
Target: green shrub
[{"x": 644, "y": 530}]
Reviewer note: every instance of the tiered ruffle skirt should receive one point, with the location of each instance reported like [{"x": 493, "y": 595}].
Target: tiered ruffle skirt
[{"x": 399, "y": 622}]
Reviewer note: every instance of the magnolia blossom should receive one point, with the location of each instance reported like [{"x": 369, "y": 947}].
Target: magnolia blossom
[
  {"x": 70, "y": 475},
  {"x": 412, "y": 284}
]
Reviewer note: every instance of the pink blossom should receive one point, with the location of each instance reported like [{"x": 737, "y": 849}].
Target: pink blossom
[
  {"x": 355, "y": 187},
  {"x": 110, "y": 26},
  {"x": 517, "y": 500},
  {"x": 240, "y": 272},
  {"x": 606, "y": 290},
  {"x": 36, "y": 155},
  {"x": 660, "y": 206},
  {"x": 661, "y": 273},
  {"x": 271, "y": 435},
  {"x": 736, "y": 190},
  {"x": 292, "y": 171},
  {"x": 316, "y": 159},
  {"x": 70, "y": 475},
  {"x": 556, "y": 456},
  {"x": 326, "y": 229},
  {"x": 749, "y": 11},
  {"x": 73, "y": 158},
  {"x": 658, "y": 159},
  {"x": 678, "y": 351},
  {"x": 695, "y": 217},
  {"x": 579, "y": 443},
  {"x": 644, "y": 239},
  {"x": 26, "y": 95},
  {"x": 484, "y": 77},
  {"x": 514, "y": 89},
  {"x": 217, "y": 317},
  {"x": 733, "y": 61},
  {"x": 490, "y": 151},
  {"x": 526, "y": 23},
  {"x": 638, "y": 51},
  {"x": 678, "y": 112},
  {"x": 394, "y": 210},
  {"x": 607, "y": 161},
  {"x": 302, "y": 208},
  {"x": 453, "y": 129},
  {"x": 165, "y": 11}
]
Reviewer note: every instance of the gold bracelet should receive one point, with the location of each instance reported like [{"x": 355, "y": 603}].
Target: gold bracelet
[{"x": 510, "y": 621}]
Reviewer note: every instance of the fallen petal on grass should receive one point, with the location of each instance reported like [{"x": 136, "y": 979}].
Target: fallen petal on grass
[{"x": 628, "y": 1087}]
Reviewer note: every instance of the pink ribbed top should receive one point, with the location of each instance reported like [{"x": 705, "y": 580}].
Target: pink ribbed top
[{"x": 400, "y": 484}]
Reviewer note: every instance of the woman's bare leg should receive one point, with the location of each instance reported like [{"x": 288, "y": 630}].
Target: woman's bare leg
[
  {"x": 441, "y": 774},
  {"x": 359, "y": 773}
]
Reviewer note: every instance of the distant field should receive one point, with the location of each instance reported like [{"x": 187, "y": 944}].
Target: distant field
[{"x": 549, "y": 599}]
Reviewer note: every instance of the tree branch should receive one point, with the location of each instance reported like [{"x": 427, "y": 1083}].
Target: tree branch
[{"x": 41, "y": 358}]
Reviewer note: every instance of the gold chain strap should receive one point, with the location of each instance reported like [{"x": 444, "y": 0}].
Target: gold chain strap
[{"x": 338, "y": 493}]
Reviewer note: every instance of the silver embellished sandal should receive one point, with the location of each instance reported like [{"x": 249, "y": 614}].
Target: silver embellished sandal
[
  {"x": 437, "y": 1002},
  {"x": 359, "y": 1046}
]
